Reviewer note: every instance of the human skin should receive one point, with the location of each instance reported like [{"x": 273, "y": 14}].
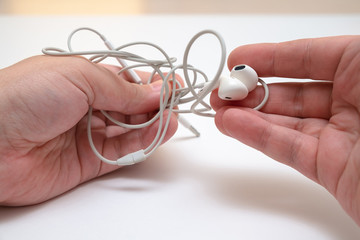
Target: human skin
[
  {"x": 44, "y": 149},
  {"x": 313, "y": 127}
]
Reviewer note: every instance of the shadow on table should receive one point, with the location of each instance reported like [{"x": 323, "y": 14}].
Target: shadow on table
[
  {"x": 279, "y": 194},
  {"x": 255, "y": 190}
]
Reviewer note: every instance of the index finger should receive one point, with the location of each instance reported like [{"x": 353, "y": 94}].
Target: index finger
[{"x": 316, "y": 58}]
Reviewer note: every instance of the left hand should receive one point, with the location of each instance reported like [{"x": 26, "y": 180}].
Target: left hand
[{"x": 44, "y": 150}]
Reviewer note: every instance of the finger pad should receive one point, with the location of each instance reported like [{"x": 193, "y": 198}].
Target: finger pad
[{"x": 242, "y": 125}]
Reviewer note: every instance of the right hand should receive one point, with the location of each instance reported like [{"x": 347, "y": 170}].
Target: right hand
[{"x": 313, "y": 127}]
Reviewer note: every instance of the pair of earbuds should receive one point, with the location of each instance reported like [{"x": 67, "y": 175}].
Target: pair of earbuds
[{"x": 242, "y": 80}]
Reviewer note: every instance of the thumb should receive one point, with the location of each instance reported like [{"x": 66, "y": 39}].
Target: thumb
[
  {"x": 274, "y": 135},
  {"x": 108, "y": 91}
]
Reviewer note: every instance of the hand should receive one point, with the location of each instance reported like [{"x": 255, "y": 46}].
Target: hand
[
  {"x": 44, "y": 150},
  {"x": 313, "y": 127}
]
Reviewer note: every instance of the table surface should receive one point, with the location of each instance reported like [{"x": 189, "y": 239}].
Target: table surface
[{"x": 211, "y": 187}]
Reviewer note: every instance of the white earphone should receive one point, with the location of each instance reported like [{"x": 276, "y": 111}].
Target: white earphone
[{"x": 243, "y": 79}]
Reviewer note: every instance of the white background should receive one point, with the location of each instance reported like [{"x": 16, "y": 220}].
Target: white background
[{"x": 211, "y": 187}]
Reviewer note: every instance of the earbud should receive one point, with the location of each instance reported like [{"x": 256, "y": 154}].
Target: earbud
[{"x": 243, "y": 79}]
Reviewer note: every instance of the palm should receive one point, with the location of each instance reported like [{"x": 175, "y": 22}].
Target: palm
[{"x": 339, "y": 142}]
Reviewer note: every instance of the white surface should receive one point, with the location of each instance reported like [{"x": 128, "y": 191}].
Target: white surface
[{"x": 211, "y": 187}]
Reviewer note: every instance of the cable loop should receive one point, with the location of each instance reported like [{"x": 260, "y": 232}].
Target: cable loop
[{"x": 194, "y": 92}]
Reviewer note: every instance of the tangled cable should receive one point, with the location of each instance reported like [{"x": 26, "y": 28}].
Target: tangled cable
[{"x": 194, "y": 92}]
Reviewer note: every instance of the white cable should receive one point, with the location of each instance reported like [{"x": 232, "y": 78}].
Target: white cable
[{"x": 195, "y": 90}]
